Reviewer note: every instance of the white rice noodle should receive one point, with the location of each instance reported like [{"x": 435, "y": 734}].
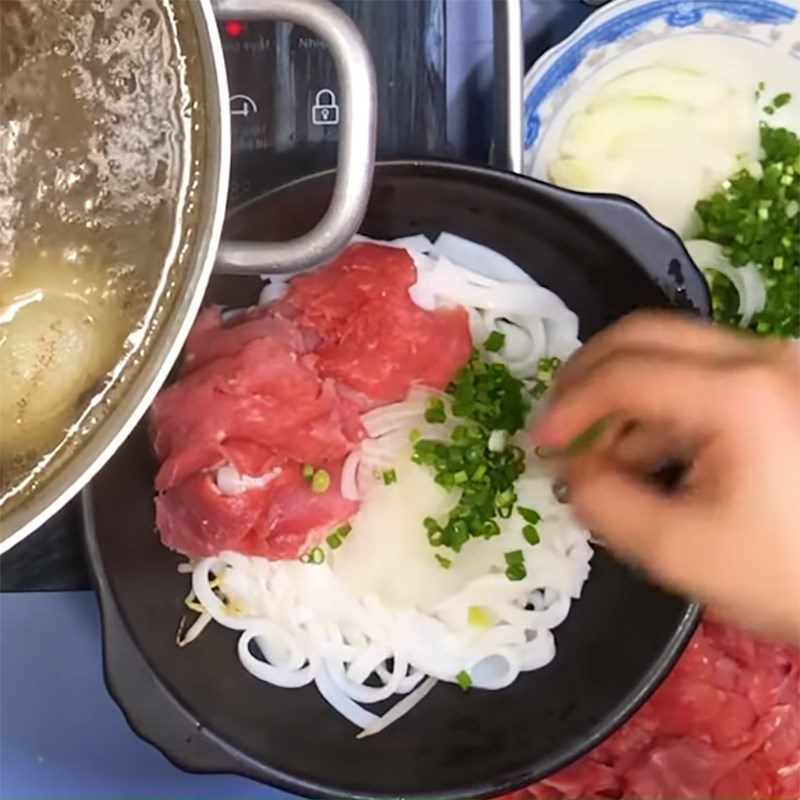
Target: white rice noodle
[
  {"x": 499, "y": 296},
  {"x": 399, "y": 709},
  {"x": 746, "y": 280},
  {"x": 477, "y": 257},
  {"x": 300, "y": 624}
]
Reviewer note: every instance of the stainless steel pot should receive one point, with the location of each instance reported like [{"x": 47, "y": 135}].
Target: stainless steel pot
[{"x": 338, "y": 224}]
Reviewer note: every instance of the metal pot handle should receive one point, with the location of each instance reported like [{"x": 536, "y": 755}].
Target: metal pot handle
[
  {"x": 509, "y": 70},
  {"x": 356, "y": 158}
]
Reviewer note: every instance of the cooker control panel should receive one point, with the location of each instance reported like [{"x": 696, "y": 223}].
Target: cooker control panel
[{"x": 284, "y": 103}]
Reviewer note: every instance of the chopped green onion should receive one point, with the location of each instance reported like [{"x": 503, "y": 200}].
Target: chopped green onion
[
  {"x": 316, "y": 556},
  {"x": 529, "y": 515},
  {"x": 308, "y": 471},
  {"x": 781, "y": 99},
  {"x": 464, "y": 680},
  {"x": 489, "y": 399},
  {"x": 435, "y": 412},
  {"x": 748, "y": 218},
  {"x": 538, "y": 389},
  {"x": 443, "y": 562},
  {"x": 531, "y": 534},
  {"x": 333, "y": 541},
  {"x": 516, "y": 572},
  {"x": 414, "y": 434},
  {"x": 389, "y": 476},
  {"x": 514, "y": 557},
  {"x": 494, "y": 341},
  {"x": 321, "y": 481},
  {"x": 343, "y": 530},
  {"x": 478, "y": 617}
]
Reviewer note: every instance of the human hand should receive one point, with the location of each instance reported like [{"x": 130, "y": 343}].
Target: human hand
[{"x": 726, "y": 404}]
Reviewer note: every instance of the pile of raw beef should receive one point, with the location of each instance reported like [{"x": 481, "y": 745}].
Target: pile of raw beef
[{"x": 726, "y": 723}]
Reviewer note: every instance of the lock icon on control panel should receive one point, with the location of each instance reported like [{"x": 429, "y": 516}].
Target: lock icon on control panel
[{"x": 325, "y": 110}]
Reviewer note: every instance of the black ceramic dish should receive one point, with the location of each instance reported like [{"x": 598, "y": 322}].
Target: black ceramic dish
[{"x": 603, "y": 256}]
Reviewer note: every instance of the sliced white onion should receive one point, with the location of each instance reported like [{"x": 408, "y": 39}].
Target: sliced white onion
[
  {"x": 497, "y": 441},
  {"x": 746, "y": 280},
  {"x": 349, "y": 483},
  {"x": 273, "y": 289}
]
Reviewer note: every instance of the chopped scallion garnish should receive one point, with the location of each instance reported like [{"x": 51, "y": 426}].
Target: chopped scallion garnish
[
  {"x": 444, "y": 563},
  {"x": 389, "y": 476},
  {"x": 781, "y": 99},
  {"x": 321, "y": 481},
  {"x": 333, "y": 541},
  {"x": 749, "y": 217},
  {"x": 314, "y": 556},
  {"x": 478, "y": 617},
  {"x": 531, "y": 534},
  {"x": 491, "y": 401},
  {"x": 529, "y": 515},
  {"x": 343, "y": 530},
  {"x": 464, "y": 680},
  {"x": 494, "y": 341},
  {"x": 308, "y": 471}
]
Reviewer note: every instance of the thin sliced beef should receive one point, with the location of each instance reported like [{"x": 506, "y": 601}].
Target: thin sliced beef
[
  {"x": 265, "y": 395},
  {"x": 281, "y": 386},
  {"x": 725, "y": 723},
  {"x": 279, "y": 520},
  {"x": 375, "y": 339}
]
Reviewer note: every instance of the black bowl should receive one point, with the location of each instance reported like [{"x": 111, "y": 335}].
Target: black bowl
[{"x": 604, "y": 257}]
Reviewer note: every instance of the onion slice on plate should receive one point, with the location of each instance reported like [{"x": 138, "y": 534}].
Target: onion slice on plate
[{"x": 746, "y": 280}]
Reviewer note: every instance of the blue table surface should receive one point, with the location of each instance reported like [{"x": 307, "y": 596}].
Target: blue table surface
[{"x": 61, "y": 734}]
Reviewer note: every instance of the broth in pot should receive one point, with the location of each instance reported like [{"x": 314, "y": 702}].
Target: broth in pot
[{"x": 98, "y": 136}]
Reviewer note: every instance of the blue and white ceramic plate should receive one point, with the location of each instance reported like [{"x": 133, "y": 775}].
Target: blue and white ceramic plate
[{"x": 766, "y": 31}]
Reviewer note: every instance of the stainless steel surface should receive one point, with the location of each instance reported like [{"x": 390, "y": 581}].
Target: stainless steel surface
[
  {"x": 508, "y": 74},
  {"x": 131, "y": 406},
  {"x": 356, "y": 142}
]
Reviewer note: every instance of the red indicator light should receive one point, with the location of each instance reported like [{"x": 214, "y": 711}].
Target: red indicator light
[{"x": 234, "y": 28}]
